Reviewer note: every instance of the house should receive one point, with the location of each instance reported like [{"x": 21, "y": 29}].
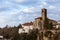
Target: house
[
  {"x": 26, "y": 27},
  {"x": 57, "y": 26},
  {"x": 1, "y": 37}
]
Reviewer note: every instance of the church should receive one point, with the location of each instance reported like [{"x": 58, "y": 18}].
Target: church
[
  {"x": 44, "y": 22},
  {"x": 47, "y": 28}
]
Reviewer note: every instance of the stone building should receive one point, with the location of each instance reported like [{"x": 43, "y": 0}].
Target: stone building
[
  {"x": 43, "y": 21},
  {"x": 45, "y": 26}
]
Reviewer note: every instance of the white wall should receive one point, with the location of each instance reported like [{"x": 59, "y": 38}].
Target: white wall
[{"x": 25, "y": 29}]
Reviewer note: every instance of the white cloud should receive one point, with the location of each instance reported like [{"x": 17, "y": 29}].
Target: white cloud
[
  {"x": 2, "y": 21},
  {"x": 53, "y": 16},
  {"x": 19, "y": 1},
  {"x": 31, "y": 10},
  {"x": 51, "y": 7},
  {"x": 44, "y": 3},
  {"x": 14, "y": 12},
  {"x": 17, "y": 8},
  {"x": 20, "y": 17},
  {"x": 27, "y": 10},
  {"x": 3, "y": 6}
]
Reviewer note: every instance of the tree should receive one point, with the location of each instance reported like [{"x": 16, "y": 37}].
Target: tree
[
  {"x": 33, "y": 35},
  {"x": 19, "y": 26},
  {"x": 49, "y": 26}
]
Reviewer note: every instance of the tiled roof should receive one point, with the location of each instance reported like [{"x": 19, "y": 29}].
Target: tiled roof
[
  {"x": 47, "y": 18},
  {"x": 28, "y": 24},
  {"x": 50, "y": 20},
  {"x": 39, "y": 18}
]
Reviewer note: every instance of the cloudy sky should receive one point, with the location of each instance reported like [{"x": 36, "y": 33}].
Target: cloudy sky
[{"x": 14, "y": 12}]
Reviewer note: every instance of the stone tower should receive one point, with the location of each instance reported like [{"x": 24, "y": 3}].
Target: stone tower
[{"x": 44, "y": 18}]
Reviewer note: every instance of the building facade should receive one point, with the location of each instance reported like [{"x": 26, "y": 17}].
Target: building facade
[{"x": 45, "y": 26}]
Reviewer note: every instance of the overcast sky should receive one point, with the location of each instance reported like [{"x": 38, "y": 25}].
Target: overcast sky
[{"x": 14, "y": 12}]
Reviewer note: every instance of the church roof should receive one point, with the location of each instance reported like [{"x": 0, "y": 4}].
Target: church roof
[
  {"x": 50, "y": 20},
  {"x": 47, "y": 18},
  {"x": 39, "y": 18}
]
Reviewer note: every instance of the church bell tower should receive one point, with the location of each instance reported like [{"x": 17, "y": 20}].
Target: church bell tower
[{"x": 44, "y": 18}]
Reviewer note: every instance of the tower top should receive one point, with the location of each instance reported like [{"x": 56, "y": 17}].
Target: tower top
[
  {"x": 44, "y": 18},
  {"x": 43, "y": 8}
]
